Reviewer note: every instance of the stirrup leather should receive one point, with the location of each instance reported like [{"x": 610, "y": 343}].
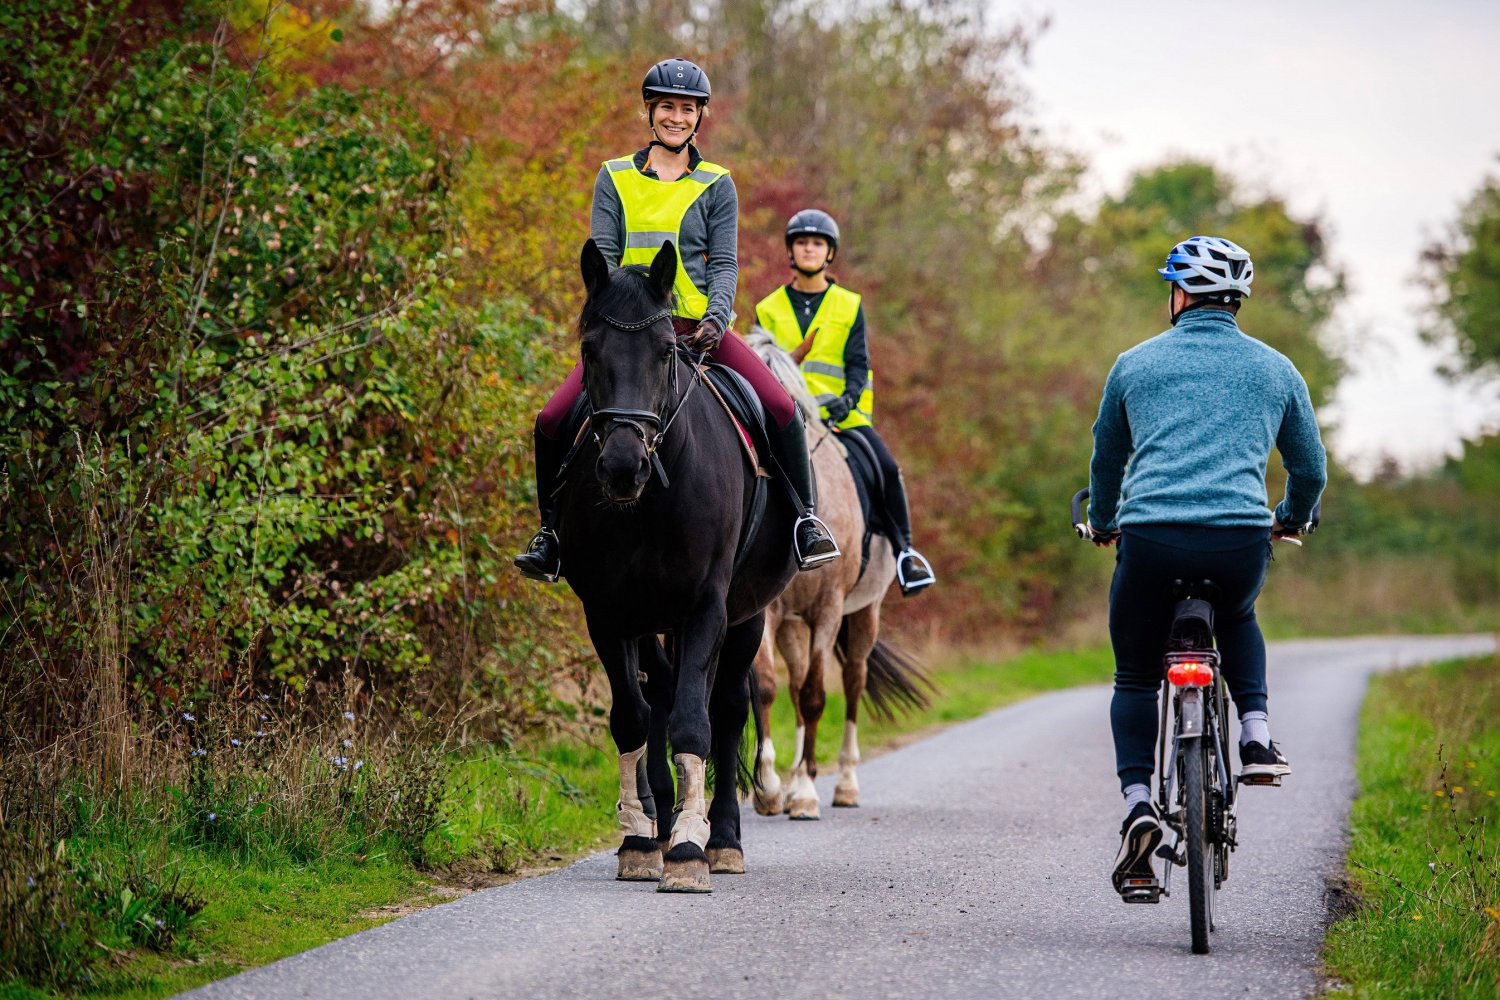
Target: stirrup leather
[
  {"x": 809, "y": 560},
  {"x": 534, "y": 562},
  {"x": 913, "y": 572}
]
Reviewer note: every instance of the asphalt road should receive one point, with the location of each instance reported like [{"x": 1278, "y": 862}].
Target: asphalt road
[{"x": 977, "y": 866}]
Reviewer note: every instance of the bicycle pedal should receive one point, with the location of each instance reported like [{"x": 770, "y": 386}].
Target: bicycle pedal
[
  {"x": 1268, "y": 780},
  {"x": 1140, "y": 890},
  {"x": 1176, "y": 857}
]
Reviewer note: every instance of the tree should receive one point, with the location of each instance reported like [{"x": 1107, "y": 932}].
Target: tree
[{"x": 1463, "y": 273}]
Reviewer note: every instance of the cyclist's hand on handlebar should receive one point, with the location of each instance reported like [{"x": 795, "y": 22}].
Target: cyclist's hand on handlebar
[{"x": 1103, "y": 539}]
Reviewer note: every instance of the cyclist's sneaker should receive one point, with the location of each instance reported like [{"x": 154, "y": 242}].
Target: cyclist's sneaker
[
  {"x": 1257, "y": 761},
  {"x": 1139, "y": 836}
]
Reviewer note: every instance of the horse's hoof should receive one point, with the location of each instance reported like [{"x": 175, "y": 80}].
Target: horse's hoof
[
  {"x": 686, "y": 870},
  {"x": 638, "y": 865},
  {"x": 804, "y": 809},
  {"x": 846, "y": 798},
  {"x": 770, "y": 805},
  {"x": 726, "y": 860}
]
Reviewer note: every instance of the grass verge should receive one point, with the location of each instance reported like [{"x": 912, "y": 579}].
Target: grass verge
[
  {"x": 505, "y": 813},
  {"x": 1423, "y": 837}
]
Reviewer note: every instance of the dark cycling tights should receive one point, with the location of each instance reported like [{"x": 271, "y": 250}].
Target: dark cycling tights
[{"x": 1140, "y": 615}]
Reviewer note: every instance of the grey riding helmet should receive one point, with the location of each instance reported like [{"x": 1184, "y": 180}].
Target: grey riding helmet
[
  {"x": 1210, "y": 266},
  {"x": 813, "y": 222},
  {"x": 676, "y": 78}
]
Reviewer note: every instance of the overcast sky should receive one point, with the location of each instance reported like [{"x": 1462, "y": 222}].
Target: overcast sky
[{"x": 1379, "y": 116}]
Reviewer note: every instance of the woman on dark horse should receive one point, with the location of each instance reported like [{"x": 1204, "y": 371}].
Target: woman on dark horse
[
  {"x": 663, "y": 538},
  {"x": 821, "y": 324},
  {"x": 664, "y": 193}
]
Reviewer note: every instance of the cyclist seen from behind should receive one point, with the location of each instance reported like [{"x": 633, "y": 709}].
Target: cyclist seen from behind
[
  {"x": 821, "y": 324},
  {"x": 668, "y": 191},
  {"x": 1184, "y": 434}
]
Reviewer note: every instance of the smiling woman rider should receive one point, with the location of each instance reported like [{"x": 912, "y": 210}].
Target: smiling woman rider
[{"x": 668, "y": 191}]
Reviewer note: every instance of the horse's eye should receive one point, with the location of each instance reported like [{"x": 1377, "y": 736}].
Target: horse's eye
[{"x": 667, "y": 352}]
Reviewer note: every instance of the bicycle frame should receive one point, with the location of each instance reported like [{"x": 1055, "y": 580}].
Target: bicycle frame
[{"x": 1197, "y": 719}]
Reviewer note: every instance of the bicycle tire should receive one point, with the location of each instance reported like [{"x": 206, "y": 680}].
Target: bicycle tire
[{"x": 1200, "y": 862}]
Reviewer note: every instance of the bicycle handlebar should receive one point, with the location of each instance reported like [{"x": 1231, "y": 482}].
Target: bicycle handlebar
[{"x": 1081, "y": 526}]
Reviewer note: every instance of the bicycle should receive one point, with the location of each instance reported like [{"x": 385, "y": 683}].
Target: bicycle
[{"x": 1196, "y": 797}]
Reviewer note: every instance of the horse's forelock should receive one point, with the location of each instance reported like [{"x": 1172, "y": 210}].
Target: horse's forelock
[{"x": 627, "y": 297}]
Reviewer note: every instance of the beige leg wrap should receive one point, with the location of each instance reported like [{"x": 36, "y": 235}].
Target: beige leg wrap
[
  {"x": 692, "y": 802},
  {"x": 633, "y": 819}
]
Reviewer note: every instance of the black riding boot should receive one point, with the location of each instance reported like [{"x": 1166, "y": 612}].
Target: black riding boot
[
  {"x": 913, "y": 571},
  {"x": 542, "y": 559},
  {"x": 815, "y": 545}
]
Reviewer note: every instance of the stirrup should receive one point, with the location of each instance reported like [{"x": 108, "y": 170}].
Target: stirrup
[
  {"x": 531, "y": 562},
  {"x": 913, "y": 572},
  {"x": 817, "y": 557}
]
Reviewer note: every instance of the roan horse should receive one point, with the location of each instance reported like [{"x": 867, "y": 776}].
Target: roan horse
[
  {"x": 654, "y": 544},
  {"x": 830, "y": 613}
]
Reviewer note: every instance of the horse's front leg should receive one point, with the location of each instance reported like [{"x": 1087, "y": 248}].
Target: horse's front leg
[
  {"x": 729, "y": 708},
  {"x": 697, "y": 650},
  {"x": 658, "y": 682},
  {"x": 794, "y": 638},
  {"x": 769, "y": 799},
  {"x": 639, "y": 857}
]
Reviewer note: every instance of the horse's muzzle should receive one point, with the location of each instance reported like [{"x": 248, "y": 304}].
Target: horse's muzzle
[{"x": 623, "y": 469}]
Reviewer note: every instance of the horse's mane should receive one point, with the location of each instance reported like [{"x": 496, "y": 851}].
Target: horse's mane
[
  {"x": 627, "y": 295},
  {"x": 785, "y": 370}
]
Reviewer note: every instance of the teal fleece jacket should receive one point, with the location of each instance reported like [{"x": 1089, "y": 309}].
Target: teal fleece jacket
[{"x": 1186, "y": 428}]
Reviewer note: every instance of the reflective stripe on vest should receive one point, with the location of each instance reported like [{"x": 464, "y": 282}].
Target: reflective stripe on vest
[
  {"x": 823, "y": 368},
  {"x": 654, "y": 211}
]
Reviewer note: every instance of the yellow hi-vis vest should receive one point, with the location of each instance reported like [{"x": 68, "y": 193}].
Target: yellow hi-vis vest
[
  {"x": 823, "y": 368},
  {"x": 653, "y": 214}
]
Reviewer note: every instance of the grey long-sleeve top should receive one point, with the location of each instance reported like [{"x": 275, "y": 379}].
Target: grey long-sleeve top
[{"x": 709, "y": 235}]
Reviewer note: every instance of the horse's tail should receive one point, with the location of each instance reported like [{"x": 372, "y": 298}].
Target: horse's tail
[
  {"x": 895, "y": 681},
  {"x": 749, "y": 776}
]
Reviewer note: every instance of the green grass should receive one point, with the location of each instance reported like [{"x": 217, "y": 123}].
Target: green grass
[
  {"x": 1423, "y": 837},
  {"x": 506, "y": 812}
]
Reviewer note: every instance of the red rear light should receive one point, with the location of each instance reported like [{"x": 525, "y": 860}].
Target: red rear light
[{"x": 1190, "y": 673}]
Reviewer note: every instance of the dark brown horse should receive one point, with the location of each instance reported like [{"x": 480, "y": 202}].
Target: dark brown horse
[{"x": 660, "y": 541}]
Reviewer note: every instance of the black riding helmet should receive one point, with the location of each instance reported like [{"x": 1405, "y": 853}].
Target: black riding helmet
[
  {"x": 676, "y": 78},
  {"x": 813, "y": 222}
]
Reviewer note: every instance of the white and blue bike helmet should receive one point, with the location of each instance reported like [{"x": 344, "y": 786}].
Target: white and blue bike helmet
[{"x": 1210, "y": 266}]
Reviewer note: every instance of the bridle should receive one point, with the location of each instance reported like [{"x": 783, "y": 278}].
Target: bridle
[{"x": 650, "y": 425}]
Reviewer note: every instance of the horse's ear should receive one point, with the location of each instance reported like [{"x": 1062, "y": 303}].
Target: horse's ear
[
  {"x": 594, "y": 267},
  {"x": 664, "y": 270}
]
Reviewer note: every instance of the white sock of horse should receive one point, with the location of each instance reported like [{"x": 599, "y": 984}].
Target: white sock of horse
[{"x": 1255, "y": 727}]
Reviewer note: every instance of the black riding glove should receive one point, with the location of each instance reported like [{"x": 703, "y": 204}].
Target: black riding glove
[
  {"x": 838, "y": 408},
  {"x": 706, "y": 339}
]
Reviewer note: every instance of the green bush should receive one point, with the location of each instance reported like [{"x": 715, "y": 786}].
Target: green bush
[{"x": 264, "y": 439}]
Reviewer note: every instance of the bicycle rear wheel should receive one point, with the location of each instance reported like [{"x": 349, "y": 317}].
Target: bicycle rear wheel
[{"x": 1200, "y": 850}]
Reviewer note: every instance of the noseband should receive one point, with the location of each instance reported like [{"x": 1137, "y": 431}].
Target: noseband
[{"x": 651, "y": 426}]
